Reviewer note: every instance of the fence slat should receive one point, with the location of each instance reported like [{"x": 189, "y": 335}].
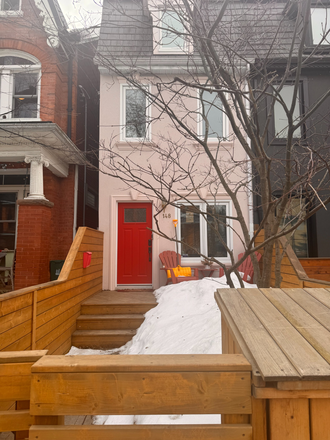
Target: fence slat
[
  {"x": 142, "y": 432},
  {"x": 15, "y": 420},
  {"x": 141, "y": 393}
]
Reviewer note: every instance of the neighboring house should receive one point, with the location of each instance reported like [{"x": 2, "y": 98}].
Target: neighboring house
[
  {"x": 133, "y": 128},
  {"x": 312, "y": 237},
  {"x": 39, "y": 159}
]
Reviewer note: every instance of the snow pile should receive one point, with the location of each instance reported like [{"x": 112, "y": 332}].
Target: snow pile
[{"x": 185, "y": 321}]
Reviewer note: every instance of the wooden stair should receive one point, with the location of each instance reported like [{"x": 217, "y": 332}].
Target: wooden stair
[{"x": 109, "y": 319}]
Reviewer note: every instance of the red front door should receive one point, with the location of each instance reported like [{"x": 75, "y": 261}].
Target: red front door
[{"x": 134, "y": 243}]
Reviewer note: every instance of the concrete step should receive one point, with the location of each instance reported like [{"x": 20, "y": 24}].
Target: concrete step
[
  {"x": 101, "y": 339},
  {"x": 109, "y": 322}
]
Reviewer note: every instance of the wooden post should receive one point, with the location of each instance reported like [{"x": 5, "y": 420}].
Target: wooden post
[{"x": 34, "y": 319}]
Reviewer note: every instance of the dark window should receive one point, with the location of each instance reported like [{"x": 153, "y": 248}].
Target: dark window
[
  {"x": 10, "y": 5},
  {"x": 135, "y": 215},
  {"x": 7, "y": 220}
]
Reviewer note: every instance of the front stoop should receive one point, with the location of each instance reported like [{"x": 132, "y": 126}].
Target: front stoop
[{"x": 109, "y": 319}]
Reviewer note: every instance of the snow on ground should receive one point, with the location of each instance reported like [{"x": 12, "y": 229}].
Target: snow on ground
[{"x": 185, "y": 321}]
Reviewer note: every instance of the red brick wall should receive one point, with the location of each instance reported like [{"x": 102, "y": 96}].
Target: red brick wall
[
  {"x": 27, "y": 34},
  {"x": 60, "y": 192},
  {"x": 44, "y": 233},
  {"x": 33, "y": 244}
]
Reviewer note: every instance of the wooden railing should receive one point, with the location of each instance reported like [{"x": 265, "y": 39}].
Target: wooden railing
[
  {"x": 292, "y": 271},
  {"x": 44, "y": 316},
  {"x": 15, "y": 390},
  {"x": 179, "y": 384}
]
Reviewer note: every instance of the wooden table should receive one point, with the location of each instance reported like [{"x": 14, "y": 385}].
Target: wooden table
[{"x": 285, "y": 335}]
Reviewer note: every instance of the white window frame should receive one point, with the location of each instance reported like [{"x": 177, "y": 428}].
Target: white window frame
[
  {"x": 16, "y": 12},
  {"x": 147, "y": 138},
  {"x": 200, "y": 133},
  {"x": 7, "y": 87},
  {"x": 164, "y": 48},
  {"x": 283, "y": 134},
  {"x": 316, "y": 38},
  {"x": 203, "y": 229}
]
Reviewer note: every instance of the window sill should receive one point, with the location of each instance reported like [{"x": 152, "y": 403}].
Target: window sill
[
  {"x": 214, "y": 144},
  {"x": 134, "y": 145},
  {"x": 11, "y": 14},
  {"x": 20, "y": 120},
  {"x": 197, "y": 262}
]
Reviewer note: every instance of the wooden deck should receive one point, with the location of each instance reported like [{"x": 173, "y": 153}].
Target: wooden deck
[
  {"x": 285, "y": 335},
  {"x": 109, "y": 319}
]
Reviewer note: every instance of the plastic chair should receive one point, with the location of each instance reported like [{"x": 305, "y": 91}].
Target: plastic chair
[
  {"x": 247, "y": 267},
  {"x": 4, "y": 269},
  {"x": 170, "y": 260}
]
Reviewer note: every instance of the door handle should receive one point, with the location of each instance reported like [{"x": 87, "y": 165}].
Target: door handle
[{"x": 149, "y": 250}]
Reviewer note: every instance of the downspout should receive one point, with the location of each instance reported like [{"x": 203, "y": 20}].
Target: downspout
[
  {"x": 70, "y": 81},
  {"x": 249, "y": 172},
  {"x": 75, "y": 206}
]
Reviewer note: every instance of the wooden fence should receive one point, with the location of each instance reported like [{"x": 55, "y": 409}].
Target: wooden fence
[
  {"x": 145, "y": 384},
  {"x": 44, "y": 316},
  {"x": 292, "y": 271}
]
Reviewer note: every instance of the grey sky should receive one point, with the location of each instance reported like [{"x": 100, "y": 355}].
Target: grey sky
[{"x": 81, "y": 12}]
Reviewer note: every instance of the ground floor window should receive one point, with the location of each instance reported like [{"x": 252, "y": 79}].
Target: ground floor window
[
  {"x": 7, "y": 220},
  {"x": 204, "y": 229}
]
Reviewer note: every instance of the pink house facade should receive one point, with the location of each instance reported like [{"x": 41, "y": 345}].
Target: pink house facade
[{"x": 151, "y": 171}]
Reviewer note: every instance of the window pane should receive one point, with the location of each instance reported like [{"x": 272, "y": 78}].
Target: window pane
[
  {"x": 26, "y": 84},
  {"x": 135, "y": 215},
  {"x": 14, "y": 61},
  {"x": 280, "y": 118},
  {"x": 7, "y": 206},
  {"x": 216, "y": 231},
  {"x": 7, "y": 241},
  {"x": 212, "y": 110},
  {"x": 136, "y": 114},
  {"x": 190, "y": 231},
  {"x": 15, "y": 179},
  {"x": 25, "y": 107},
  {"x": 11, "y": 5},
  {"x": 171, "y": 23},
  {"x": 320, "y": 18}
]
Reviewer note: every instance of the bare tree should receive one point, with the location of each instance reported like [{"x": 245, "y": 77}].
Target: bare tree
[{"x": 244, "y": 60}]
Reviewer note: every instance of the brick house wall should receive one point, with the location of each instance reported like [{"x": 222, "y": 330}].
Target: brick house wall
[{"x": 44, "y": 231}]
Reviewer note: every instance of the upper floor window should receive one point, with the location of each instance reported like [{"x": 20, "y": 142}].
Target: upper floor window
[
  {"x": 19, "y": 87},
  {"x": 10, "y": 5},
  {"x": 135, "y": 114},
  {"x": 280, "y": 118},
  {"x": 171, "y": 32},
  {"x": 212, "y": 117},
  {"x": 320, "y": 20}
]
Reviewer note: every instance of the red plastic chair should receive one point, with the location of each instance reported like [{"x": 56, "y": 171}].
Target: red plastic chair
[
  {"x": 170, "y": 260},
  {"x": 247, "y": 267}
]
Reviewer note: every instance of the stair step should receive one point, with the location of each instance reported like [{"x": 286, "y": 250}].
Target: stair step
[
  {"x": 101, "y": 339},
  {"x": 116, "y": 309},
  {"x": 109, "y": 322}
]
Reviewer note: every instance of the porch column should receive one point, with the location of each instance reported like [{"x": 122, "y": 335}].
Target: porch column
[{"x": 36, "y": 176}]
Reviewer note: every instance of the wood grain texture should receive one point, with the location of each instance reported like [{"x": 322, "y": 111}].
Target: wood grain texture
[
  {"x": 20, "y": 420},
  {"x": 7, "y": 357},
  {"x": 310, "y": 328},
  {"x": 289, "y": 419},
  {"x": 142, "y": 432},
  {"x": 269, "y": 358},
  {"x": 273, "y": 393},
  {"x": 319, "y": 419},
  {"x": 141, "y": 393},
  {"x": 306, "y": 360},
  {"x": 259, "y": 419},
  {"x": 49, "y": 321},
  {"x": 141, "y": 363}
]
